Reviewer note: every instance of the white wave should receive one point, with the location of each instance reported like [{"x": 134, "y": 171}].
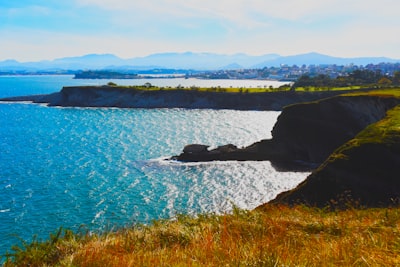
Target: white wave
[
  {"x": 16, "y": 102},
  {"x": 6, "y": 210},
  {"x": 167, "y": 161},
  {"x": 100, "y": 202},
  {"x": 98, "y": 215}
]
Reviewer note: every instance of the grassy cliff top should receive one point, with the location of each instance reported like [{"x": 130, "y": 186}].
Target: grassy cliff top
[
  {"x": 283, "y": 88},
  {"x": 218, "y": 89},
  {"x": 387, "y": 92},
  {"x": 384, "y": 131}
]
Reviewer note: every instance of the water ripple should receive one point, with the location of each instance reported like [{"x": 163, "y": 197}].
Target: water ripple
[{"x": 104, "y": 167}]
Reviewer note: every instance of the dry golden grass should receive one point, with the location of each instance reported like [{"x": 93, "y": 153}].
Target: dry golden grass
[{"x": 271, "y": 236}]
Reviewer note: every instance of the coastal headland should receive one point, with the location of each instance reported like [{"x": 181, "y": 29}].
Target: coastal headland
[
  {"x": 306, "y": 136},
  {"x": 350, "y": 141},
  {"x": 316, "y": 131},
  {"x": 192, "y": 98},
  {"x": 364, "y": 171}
]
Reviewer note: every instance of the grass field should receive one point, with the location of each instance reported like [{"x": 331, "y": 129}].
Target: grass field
[
  {"x": 273, "y": 236},
  {"x": 207, "y": 89},
  {"x": 283, "y": 88},
  {"x": 386, "y": 92}
]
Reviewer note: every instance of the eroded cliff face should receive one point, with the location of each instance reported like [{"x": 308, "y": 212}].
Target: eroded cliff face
[
  {"x": 310, "y": 132},
  {"x": 124, "y": 97},
  {"x": 306, "y": 134},
  {"x": 364, "y": 171}
]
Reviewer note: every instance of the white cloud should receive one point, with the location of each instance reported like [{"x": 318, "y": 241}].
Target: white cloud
[
  {"x": 34, "y": 45},
  {"x": 26, "y": 10},
  {"x": 242, "y": 18},
  {"x": 238, "y": 9},
  {"x": 137, "y": 28}
]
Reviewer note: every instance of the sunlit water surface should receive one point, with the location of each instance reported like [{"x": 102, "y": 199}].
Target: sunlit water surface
[{"x": 100, "y": 168}]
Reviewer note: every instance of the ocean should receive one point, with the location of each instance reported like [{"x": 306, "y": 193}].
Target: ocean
[{"x": 100, "y": 169}]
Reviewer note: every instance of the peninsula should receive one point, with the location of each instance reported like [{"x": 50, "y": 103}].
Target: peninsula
[{"x": 148, "y": 96}]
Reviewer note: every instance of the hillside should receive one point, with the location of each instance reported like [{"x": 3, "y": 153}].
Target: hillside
[{"x": 364, "y": 171}]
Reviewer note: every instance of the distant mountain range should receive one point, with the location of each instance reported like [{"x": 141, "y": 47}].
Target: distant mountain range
[{"x": 188, "y": 60}]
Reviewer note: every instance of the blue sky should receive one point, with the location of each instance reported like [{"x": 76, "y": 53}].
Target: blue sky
[{"x": 36, "y": 30}]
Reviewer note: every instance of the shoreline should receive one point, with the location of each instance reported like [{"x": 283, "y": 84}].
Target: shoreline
[{"x": 158, "y": 97}]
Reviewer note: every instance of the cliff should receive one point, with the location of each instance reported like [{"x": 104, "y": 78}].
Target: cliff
[
  {"x": 132, "y": 97},
  {"x": 364, "y": 171},
  {"x": 310, "y": 132},
  {"x": 306, "y": 134}
]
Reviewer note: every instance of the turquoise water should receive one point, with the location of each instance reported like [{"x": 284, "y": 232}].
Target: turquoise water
[{"x": 100, "y": 168}]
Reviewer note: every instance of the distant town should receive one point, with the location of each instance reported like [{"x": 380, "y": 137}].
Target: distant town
[
  {"x": 293, "y": 73},
  {"x": 281, "y": 73}
]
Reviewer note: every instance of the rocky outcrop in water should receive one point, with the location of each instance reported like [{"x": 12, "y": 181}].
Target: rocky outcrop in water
[{"x": 306, "y": 134}]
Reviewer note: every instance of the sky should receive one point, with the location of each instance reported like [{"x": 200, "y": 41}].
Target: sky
[{"x": 32, "y": 30}]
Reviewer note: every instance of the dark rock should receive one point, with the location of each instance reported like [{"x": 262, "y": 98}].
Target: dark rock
[
  {"x": 195, "y": 148},
  {"x": 363, "y": 172},
  {"x": 306, "y": 134},
  {"x": 226, "y": 148},
  {"x": 310, "y": 132},
  {"x": 198, "y": 153}
]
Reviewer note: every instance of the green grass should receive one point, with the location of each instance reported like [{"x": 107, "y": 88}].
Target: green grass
[
  {"x": 256, "y": 90},
  {"x": 205, "y": 89},
  {"x": 385, "y": 131},
  {"x": 320, "y": 89},
  {"x": 382, "y": 92},
  {"x": 270, "y": 236}
]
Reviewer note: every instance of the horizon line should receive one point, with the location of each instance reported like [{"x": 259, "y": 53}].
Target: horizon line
[{"x": 191, "y": 52}]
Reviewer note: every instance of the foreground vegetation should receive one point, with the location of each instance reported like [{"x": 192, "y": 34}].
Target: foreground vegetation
[{"x": 271, "y": 236}]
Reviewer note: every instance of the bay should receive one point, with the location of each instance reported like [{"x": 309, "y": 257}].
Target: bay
[{"x": 103, "y": 168}]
